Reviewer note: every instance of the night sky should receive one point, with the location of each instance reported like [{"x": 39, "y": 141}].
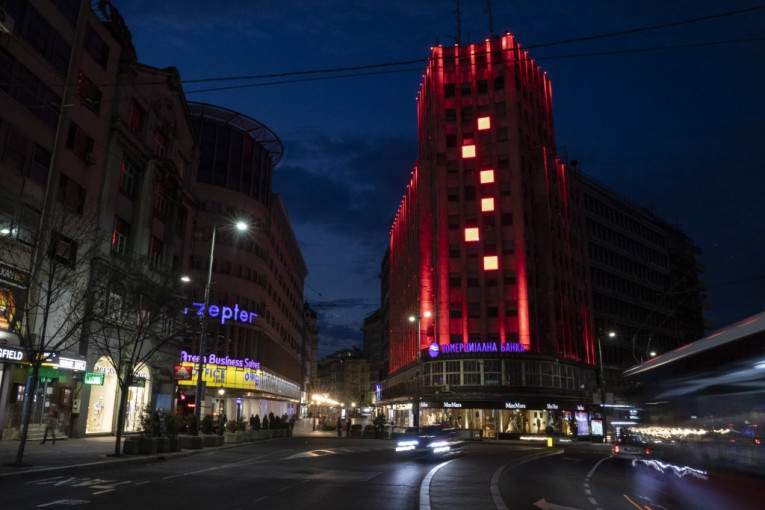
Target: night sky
[{"x": 671, "y": 117}]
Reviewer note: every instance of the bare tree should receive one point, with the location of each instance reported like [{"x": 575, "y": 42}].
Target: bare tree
[
  {"x": 48, "y": 309},
  {"x": 141, "y": 315}
]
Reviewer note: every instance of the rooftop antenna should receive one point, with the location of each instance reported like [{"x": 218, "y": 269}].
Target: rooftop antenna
[
  {"x": 459, "y": 24},
  {"x": 491, "y": 19}
]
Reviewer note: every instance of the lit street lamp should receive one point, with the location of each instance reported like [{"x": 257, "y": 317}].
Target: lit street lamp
[
  {"x": 199, "y": 394},
  {"x": 611, "y": 334},
  {"x": 416, "y": 403}
]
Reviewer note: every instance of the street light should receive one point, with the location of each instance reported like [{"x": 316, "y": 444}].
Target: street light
[
  {"x": 416, "y": 403},
  {"x": 611, "y": 334},
  {"x": 199, "y": 394}
]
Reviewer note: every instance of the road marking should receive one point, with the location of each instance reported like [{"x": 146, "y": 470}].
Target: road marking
[
  {"x": 545, "y": 505},
  {"x": 67, "y": 502},
  {"x": 587, "y": 480},
  {"x": 425, "y": 485},
  {"x": 499, "y": 503}
]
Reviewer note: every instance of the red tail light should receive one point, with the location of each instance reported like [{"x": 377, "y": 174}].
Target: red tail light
[{"x": 616, "y": 448}]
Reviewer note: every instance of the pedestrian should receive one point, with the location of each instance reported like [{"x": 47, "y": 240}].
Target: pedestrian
[
  {"x": 339, "y": 427},
  {"x": 348, "y": 427},
  {"x": 51, "y": 423},
  {"x": 221, "y": 423},
  {"x": 292, "y": 422}
]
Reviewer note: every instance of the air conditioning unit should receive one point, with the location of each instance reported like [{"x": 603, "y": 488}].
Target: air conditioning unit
[
  {"x": 89, "y": 157},
  {"x": 6, "y": 22}
]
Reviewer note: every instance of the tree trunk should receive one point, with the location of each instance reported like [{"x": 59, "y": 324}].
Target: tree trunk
[
  {"x": 26, "y": 414},
  {"x": 124, "y": 383}
]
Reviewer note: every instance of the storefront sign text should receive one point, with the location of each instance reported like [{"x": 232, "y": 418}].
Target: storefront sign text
[
  {"x": 71, "y": 364},
  {"x": 223, "y": 312},
  {"x": 223, "y": 377},
  {"x": 452, "y": 404},
  {"x": 552, "y": 406},
  {"x": 466, "y": 348},
  {"x": 514, "y": 405},
  {"x": 94, "y": 378},
  {"x": 212, "y": 359},
  {"x": 9, "y": 354}
]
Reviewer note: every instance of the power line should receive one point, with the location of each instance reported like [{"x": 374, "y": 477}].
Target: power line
[{"x": 419, "y": 69}]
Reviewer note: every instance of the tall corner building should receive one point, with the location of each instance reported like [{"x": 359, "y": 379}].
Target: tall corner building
[{"x": 489, "y": 304}]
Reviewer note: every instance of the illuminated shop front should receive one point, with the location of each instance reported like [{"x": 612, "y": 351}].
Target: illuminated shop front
[
  {"x": 238, "y": 388},
  {"x": 104, "y": 395},
  {"x": 57, "y": 379}
]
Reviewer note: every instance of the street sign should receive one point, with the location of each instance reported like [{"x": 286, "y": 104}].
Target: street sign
[{"x": 94, "y": 378}]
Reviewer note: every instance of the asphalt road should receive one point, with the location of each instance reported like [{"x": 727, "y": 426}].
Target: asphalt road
[{"x": 336, "y": 474}]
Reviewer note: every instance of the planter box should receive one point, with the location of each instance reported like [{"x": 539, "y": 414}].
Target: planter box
[
  {"x": 140, "y": 445},
  {"x": 233, "y": 437},
  {"x": 163, "y": 445},
  {"x": 191, "y": 442},
  {"x": 173, "y": 444},
  {"x": 212, "y": 440}
]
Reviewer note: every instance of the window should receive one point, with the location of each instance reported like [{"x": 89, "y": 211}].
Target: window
[
  {"x": 137, "y": 116},
  {"x": 15, "y": 149},
  {"x": 487, "y": 204},
  {"x": 451, "y": 115},
  {"x": 490, "y": 263},
  {"x": 160, "y": 144},
  {"x": 471, "y": 234},
  {"x": 88, "y": 92},
  {"x": 455, "y": 311},
  {"x": 96, "y": 47},
  {"x": 71, "y": 194},
  {"x": 155, "y": 252},
  {"x": 160, "y": 199},
  {"x": 452, "y": 194},
  {"x": 120, "y": 236},
  {"x": 79, "y": 142},
  {"x": 63, "y": 249},
  {"x": 449, "y": 90},
  {"x": 484, "y": 123},
  {"x": 487, "y": 176},
  {"x": 128, "y": 178},
  {"x": 455, "y": 280},
  {"x": 468, "y": 151}
]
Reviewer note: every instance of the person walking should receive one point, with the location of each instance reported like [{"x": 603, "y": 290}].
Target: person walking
[
  {"x": 51, "y": 423},
  {"x": 348, "y": 427},
  {"x": 339, "y": 427}
]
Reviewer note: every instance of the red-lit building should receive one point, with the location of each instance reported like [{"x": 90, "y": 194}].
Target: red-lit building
[{"x": 489, "y": 303}]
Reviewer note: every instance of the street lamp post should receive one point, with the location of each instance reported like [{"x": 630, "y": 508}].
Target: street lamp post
[
  {"x": 200, "y": 389},
  {"x": 416, "y": 399},
  {"x": 611, "y": 334}
]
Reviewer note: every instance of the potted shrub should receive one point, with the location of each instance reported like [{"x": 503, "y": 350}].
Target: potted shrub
[
  {"x": 146, "y": 441},
  {"x": 209, "y": 437},
  {"x": 234, "y": 432},
  {"x": 191, "y": 440},
  {"x": 170, "y": 425}
]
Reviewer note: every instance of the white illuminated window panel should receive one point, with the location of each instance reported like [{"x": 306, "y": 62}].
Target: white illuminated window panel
[
  {"x": 490, "y": 263},
  {"x": 468, "y": 151},
  {"x": 487, "y": 204},
  {"x": 484, "y": 123},
  {"x": 471, "y": 234},
  {"x": 487, "y": 176}
]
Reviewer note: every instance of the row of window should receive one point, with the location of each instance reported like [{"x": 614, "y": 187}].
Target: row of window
[
  {"x": 503, "y": 372},
  {"x": 28, "y": 90}
]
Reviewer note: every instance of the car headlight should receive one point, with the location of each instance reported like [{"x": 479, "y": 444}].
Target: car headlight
[{"x": 403, "y": 446}]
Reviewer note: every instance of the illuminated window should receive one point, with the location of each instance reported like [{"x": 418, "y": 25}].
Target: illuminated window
[
  {"x": 487, "y": 204},
  {"x": 484, "y": 123},
  {"x": 471, "y": 234},
  {"x": 490, "y": 263},
  {"x": 487, "y": 176},
  {"x": 468, "y": 151}
]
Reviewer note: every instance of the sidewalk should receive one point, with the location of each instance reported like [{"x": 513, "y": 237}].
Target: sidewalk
[{"x": 70, "y": 455}]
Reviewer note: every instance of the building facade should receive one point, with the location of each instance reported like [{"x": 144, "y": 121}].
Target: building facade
[
  {"x": 260, "y": 271},
  {"x": 647, "y": 296},
  {"x": 487, "y": 258}
]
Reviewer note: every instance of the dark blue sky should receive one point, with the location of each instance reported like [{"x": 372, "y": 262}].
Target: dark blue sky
[{"x": 679, "y": 130}]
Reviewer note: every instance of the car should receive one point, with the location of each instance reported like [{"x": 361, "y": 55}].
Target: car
[
  {"x": 431, "y": 441},
  {"x": 631, "y": 448}
]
